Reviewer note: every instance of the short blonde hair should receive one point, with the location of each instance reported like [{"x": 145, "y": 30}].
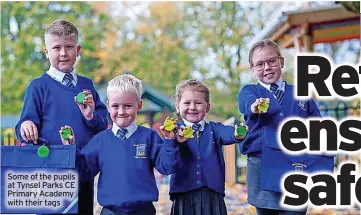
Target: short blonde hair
[
  {"x": 61, "y": 28},
  {"x": 125, "y": 83}
]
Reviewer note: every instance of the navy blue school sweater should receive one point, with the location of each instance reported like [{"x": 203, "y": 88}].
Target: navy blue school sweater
[
  {"x": 126, "y": 167},
  {"x": 50, "y": 105},
  {"x": 263, "y": 127},
  {"x": 261, "y": 139},
  {"x": 202, "y": 165}
]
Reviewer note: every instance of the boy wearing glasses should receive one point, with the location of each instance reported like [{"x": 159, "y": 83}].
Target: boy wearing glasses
[{"x": 267, "y": 163}]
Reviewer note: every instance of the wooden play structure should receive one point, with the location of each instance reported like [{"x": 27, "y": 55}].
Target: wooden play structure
[{"x": 304, "y": 28}]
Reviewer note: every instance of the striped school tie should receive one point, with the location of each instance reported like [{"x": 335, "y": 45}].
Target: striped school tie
[
  {"x": 279, "y": 94},
  {"x": 196, "y": 127},
  {"x": 121, "y": 133},
  {"x": 68, "y": 80}
]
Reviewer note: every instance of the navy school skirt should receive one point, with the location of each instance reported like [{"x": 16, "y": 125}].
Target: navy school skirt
[
  {"x": 202, "y": 201},
  {"x": 147, "y": 209},
  {"x": 262, "y": 198}
]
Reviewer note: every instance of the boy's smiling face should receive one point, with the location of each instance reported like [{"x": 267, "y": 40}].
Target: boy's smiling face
[
  {"x": 123, "y": 107},
  {"x": 62, "y": 51}
]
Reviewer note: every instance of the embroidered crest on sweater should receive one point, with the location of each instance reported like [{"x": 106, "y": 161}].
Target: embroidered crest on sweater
[
  {"x": 302, "y": 104},
  {"x": 141, "y": 151}
]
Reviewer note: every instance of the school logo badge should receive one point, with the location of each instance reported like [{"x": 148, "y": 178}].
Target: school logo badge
[
  {"x": 302, "y": 104},
  {"x": 141, "y": 151},
  {"x": 299, "y": 167}
]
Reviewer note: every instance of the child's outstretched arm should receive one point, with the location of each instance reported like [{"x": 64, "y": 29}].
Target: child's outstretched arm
[
  {"x": 27, "y": 127},
  {"x": 249, "y": 102},
  {"x": 227, "y": 134},
  {"x": 256, "y": 107},
  {"x": 164, "y": 154},
  {"x": 240, "y": 131}
]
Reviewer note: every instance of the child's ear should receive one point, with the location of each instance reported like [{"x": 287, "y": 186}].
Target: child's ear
[
  {"x": 108, "y": 106},
  {"x": 208, "y": 107},
  {"x": 78, "y": 48},
  {"x": 282, "y": 59},
  {"x": 46, "y": 52},
  {"x": 177, "y": 108},
  {"x": 140, "y": 105},
  {"x": 253, "y": 72}
]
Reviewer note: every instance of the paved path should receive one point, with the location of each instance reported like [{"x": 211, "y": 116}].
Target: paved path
[{"x": 236, "y": 201}]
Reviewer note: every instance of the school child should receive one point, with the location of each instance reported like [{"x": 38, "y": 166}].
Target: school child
[
  {"x": 197, "y": 186},
  {"x": 49, "y": 103},
  {"x": 126, "y": 154},
  {"x": 266, "y": 162}
]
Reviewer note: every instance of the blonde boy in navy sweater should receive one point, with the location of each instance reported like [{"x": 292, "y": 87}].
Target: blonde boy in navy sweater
[{"x": 126, "y": 154}]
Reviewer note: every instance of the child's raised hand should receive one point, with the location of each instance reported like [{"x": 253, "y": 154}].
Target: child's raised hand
[
  {"x": 67, "y": 135},
  {"x": 240, "y": 131},
  {"x": 255, "y": 107},
  {"x": 88, "y": 105},
  {"x": 167, "y": 134},
  {"x": 168, "y": 127},
  {"x": 29, "y": 131},
  {"x": 180, "y": 135}
]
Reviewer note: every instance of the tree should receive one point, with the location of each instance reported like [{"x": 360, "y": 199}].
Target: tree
[
  {"x": 166, "y": 42},
  {"x": 22, "y": 57},
  {"x": 353, "y": 6},
  {"x": 151, "y": 49}
]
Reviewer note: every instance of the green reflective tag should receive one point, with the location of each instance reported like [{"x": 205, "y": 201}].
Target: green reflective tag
[
  {"x": 241, "y": 130},
  {"x": 169, "y": 124},
  {"x": 80, "y": 98},
  {"x": 43, "y": 151},
  {"x": 65, "y": 133},
  {"x": 263, "y": 107},
  {"x": 188, "y": 132}
]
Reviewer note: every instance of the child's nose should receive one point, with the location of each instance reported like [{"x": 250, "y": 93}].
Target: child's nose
[
  {"x": 121, "y": 111},
  {"x": 266, "y": 65},
  {"x": 63, "y": 52}
]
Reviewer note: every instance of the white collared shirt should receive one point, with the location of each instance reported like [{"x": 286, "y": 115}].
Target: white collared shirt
[
  {"x": 202, "y": 123},
  {"x": 132, "y": 127},
  {"x": 281, "y": 85},
  {"x": 59, "y": 76}
]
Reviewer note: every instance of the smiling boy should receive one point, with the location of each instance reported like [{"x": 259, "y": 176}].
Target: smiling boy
[{"x": 126, "y": 154}]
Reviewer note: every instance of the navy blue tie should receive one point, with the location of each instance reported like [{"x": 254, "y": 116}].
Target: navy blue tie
[
  {"x": 68, "y": 80},
  {"x": 196, "y": 127},
  {"x": 279, "y": 94},
  {"x": 121, "y": 133}
]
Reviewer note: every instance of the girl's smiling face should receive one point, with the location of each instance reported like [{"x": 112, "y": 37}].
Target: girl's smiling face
[{"x": 192, "y": 106}]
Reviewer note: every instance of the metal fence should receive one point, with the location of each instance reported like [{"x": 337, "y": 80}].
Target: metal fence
[{"x": 8, "y": 137}]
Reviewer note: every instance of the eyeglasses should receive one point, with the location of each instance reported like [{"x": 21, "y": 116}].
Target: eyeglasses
[{"x": 272, "y": 62}]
